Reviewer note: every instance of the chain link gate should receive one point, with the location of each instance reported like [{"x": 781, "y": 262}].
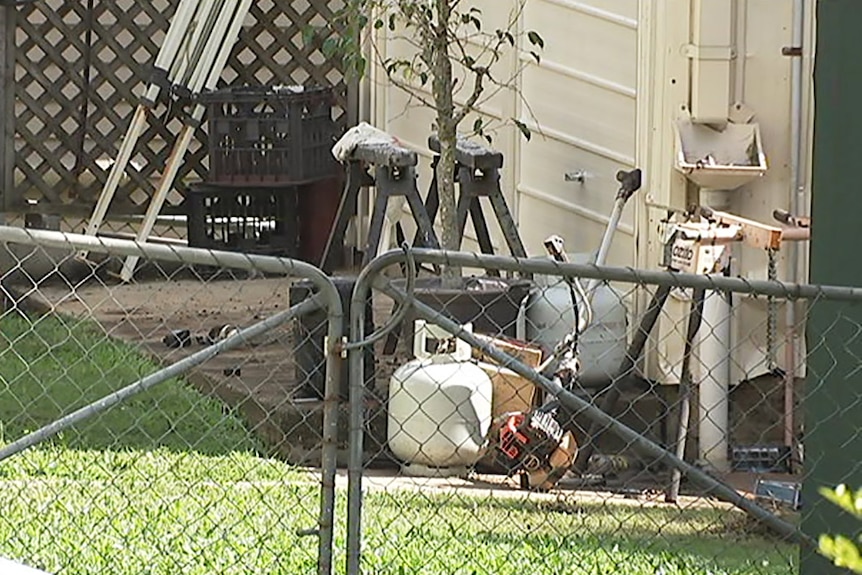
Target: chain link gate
[
  {"x": 428, "y": 488},
  {"x": 153, "y": 427}
]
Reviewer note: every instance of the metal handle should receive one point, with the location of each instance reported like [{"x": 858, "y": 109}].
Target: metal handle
[{"x": 630, "y": 182}]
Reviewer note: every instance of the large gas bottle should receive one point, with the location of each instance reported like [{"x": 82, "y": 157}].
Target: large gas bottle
[
  {"x": 439, "y": 407},
  {"x": 547, "y": 315}
]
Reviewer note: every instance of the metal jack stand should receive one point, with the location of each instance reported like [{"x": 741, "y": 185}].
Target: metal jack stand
[
  {"x": 394, "y": 176},
  {"x": 477, "y": 172},
  {"x": 194, "y": 53}
]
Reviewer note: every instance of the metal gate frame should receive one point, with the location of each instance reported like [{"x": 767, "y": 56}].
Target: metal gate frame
[{"x": 327, "y": 298}]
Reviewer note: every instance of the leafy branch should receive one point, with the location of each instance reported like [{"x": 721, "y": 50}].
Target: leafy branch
[{"x": 842, "y": 550}]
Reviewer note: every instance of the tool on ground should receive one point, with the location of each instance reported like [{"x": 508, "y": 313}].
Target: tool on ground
[{"x": 190, "y": 60}]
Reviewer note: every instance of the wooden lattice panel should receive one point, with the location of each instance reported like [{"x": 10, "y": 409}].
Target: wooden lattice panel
[{"x": 82, "y": 65}]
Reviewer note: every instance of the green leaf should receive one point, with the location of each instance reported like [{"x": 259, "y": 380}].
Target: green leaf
[
  {"x": 505, "y": 35},
  {"x": 330, "y": 46},
  {"x": 308, "y": 34},
  {"x": 525, "y": 131},
  {"x": 842, "y": 551},
  {"x": 378, "y": 24},
  {"x": 478, "y": 125},
  {"x": 845, "y": 498},
  {"x": 536, "y": 57},
  {"x": 535, "y": 39}
]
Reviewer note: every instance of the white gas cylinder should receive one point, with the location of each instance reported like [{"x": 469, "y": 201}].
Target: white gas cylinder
[
  {"x": 547, "y": 316},
  {"x": 439, "y": 407}
]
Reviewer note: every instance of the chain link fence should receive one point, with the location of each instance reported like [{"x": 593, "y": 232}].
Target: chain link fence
[
  {"x": 208, "y": 417},
  {"x": 158, "y": 426},
  {"x": 667, "y": 436}
]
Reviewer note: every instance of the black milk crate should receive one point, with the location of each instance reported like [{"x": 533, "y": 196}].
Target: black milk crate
[
  {"x": 761, "y": 458},
  {"x": 270, "y": 134},
  {"x": 257, "y": 220}
]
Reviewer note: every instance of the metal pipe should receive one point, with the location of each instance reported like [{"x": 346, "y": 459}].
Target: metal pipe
[
  {"x": 714, "y": 388},
  {"x": 165, "y": 253},
  {"x": 694, "y": 321},
  {"x": 711, "y": 485},
  {"x": 329, "y": 456},
  {"x": 327, "y": 292},
  {"x": 356, "y": 426},
  {"x": 607, "y": 240},
  {"x": 617, "y": 274},
  {"x": 797, "y": 205},
  {"x": 152, "y": 380}
]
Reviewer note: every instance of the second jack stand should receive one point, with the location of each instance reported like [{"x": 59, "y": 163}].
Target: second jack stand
[{"x": 478, "y": 175}]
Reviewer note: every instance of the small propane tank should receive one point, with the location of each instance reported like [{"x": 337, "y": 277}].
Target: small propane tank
[
  {"x": 439, "y": 407},
  {"x": 547, "y": 315}
]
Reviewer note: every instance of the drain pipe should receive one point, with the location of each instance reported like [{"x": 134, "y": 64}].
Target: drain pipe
[
  {"x": 714, "y": 387},
  {"x": 714, "y": 354},
  {"x": 797, "y": 206}
]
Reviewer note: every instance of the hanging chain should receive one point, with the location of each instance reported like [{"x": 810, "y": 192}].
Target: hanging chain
[{"x": 772, "y": 312}]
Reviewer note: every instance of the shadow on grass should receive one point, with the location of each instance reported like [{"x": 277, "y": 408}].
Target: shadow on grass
[{"x": 50, "y": 366}]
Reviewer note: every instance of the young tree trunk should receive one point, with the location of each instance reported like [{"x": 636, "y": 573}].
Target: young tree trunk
[{"x": 447, "y": 133}]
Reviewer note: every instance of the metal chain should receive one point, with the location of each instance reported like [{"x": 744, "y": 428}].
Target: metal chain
[{"x": 772, "y": 311}]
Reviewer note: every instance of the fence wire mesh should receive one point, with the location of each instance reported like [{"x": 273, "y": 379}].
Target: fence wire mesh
[
  {"x": 212, "y": 470},
  {"x": 217, "y": 469},
  {"x": 460, "y": 474}
]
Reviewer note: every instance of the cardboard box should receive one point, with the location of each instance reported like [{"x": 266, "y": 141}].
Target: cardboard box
[
  {"x": 527, "y": 354},
  {"x": 511, "y": 392}
]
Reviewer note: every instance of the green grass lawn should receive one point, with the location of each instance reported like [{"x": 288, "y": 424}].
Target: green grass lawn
[{"x": 171, "y": 483}]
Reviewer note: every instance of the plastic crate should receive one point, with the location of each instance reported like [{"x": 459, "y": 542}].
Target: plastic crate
[
  {"x": 270, "y": 135},
  {"x": 258, "y": 220}
]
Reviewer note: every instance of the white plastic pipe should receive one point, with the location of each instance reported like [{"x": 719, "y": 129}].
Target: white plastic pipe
[
  {"x": 715, "y": 348},
  {"x": 173, "y": 40},
  {"x": 798, "y": 207}
]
